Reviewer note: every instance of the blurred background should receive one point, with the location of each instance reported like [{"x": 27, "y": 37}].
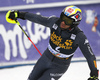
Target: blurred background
[{"x": 17, "y": 50}]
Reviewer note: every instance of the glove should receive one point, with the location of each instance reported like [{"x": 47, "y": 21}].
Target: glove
[
  {"x": 11, "y": 19},
  {"x": 94, "y": 75},
  {"x": 12, "y": 16},
  {"x": 16, "y": 14}
]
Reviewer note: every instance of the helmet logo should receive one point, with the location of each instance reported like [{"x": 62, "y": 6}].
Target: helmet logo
[
  {"x": 70, "y": 10},
  {"x": 77, "y": 16}
]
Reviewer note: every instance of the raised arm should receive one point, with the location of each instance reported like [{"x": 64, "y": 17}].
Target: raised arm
[{"x": 46, "y": 21}]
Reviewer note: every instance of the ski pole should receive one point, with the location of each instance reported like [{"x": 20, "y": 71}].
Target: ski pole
[{"x": 17, "y": 22}]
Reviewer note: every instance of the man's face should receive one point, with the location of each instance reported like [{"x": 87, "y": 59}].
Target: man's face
[{"x": 63, "y": 26}]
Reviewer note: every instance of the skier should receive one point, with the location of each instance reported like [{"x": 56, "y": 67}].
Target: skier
[{"x": 65, "y": 38}]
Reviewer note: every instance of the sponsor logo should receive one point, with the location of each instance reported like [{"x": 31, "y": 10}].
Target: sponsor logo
[
  {"x": 70, "y": 10},
  {"x": 90, "y": 50},
  {"x": 73, "y": 36},
  {"x": 55, "y": 26},
  {"x": 57, "y": 41},
  {"x": 56, "y": 74},
  {"x": 86, "y": 41}
]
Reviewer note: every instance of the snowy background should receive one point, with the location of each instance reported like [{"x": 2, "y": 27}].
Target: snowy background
[{"x": 76, "y": 71}]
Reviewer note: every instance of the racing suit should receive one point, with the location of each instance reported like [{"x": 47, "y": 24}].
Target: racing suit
[{"x": 61, "y": 47}]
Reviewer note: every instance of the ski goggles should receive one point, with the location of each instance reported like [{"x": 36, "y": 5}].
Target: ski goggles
[{"x": 67, "y": 20}]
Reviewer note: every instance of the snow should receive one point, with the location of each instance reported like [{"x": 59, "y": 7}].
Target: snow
[{"x": 76, "y": 71}]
